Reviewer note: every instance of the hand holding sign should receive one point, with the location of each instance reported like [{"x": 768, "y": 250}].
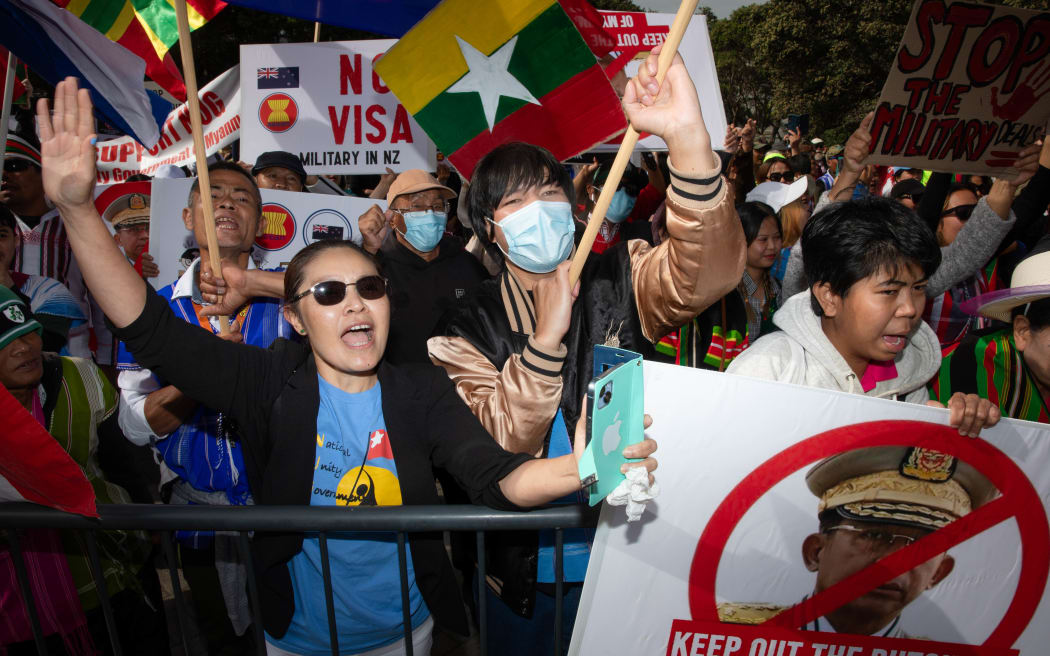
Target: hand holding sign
[{"x": 856, "y": 152}]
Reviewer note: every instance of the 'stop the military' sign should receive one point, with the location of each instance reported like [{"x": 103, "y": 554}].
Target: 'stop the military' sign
[{"x": 968, "y": 88}]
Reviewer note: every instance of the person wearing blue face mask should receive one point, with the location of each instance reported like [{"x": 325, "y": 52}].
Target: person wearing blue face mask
[
  {"x": 519, "y": 349},
  {"x": 428, "y": 269},
  {"x": 616, "y": 227}
]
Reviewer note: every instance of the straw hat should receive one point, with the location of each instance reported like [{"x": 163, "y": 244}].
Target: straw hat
[{"x": 1030, "y": 283}]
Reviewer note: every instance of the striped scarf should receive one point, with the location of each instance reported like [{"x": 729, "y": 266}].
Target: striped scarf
[
  {"x": 988, "y": 364},
  {"x": 44, "y": 250}
]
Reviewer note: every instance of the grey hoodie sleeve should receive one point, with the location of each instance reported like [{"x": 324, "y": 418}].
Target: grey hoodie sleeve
[
  {"x": 975, "y": 244},
  {"x": 794, "y": 276},
  {"x": 973, "y": 247}
]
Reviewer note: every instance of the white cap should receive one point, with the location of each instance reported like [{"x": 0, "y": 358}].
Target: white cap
[
  {"x": 778, "y": 194},
  {"x": 816, "y": 141}
]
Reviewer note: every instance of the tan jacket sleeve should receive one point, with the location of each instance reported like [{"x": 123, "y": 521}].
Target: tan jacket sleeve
[
  {"x": 515, "y": 405},
  {"x": 701, "y": 260}
]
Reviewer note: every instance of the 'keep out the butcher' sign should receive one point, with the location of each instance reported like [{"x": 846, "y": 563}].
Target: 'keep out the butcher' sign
[{"x": 968, "y": 89}]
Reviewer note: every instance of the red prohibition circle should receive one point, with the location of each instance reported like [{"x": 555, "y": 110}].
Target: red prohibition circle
[{"x": 1004, "y": 474}]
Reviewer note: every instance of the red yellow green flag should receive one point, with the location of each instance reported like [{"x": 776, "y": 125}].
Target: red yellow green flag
[
  {"x": 477, "y": 75},
  {"x": 146, "y": 28}
]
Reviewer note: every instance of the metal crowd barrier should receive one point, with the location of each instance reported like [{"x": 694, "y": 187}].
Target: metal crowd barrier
[{"x": 326, "y": 521}]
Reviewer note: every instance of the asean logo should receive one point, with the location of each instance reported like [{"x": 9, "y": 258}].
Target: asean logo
[
  {"x": 278, "y": 112},
  {"x": 278, "y": 227}
]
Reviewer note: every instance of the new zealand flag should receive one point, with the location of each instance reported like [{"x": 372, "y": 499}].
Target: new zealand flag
[{"x": 284, "y": 77}]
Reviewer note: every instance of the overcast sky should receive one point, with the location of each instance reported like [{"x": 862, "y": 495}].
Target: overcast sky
[{"x": 722, "y": 8}]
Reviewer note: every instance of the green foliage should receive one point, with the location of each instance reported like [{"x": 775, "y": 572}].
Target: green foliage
[
  {"x": 825, "y": 59},
  {"x": 616, "y": 5}
]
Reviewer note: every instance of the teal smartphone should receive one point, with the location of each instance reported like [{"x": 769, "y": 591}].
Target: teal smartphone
[{"x": 615, "y": 410}]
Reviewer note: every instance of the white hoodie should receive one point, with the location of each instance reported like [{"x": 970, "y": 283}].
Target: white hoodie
[{"x": 801, "y": 353}]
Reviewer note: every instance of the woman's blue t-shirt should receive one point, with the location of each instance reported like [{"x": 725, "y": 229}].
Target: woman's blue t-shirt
[{"x": 354, "y": 466}]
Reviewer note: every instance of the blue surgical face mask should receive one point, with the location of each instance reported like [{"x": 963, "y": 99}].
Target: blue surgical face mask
[
  {"x": 539, "y": 235},
  {"x": 424, "y": 229},
  {"x": 620, "y": 207}
]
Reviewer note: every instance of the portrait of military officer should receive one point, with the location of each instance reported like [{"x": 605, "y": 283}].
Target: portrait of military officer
[{"x": 873, "y": 502}]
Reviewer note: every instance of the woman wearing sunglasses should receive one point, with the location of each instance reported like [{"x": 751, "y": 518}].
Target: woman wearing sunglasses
[{"x": 323, "y": 423}]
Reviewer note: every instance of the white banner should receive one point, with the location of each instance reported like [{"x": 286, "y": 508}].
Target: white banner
[
  {"x": 220, "y": 102},
  {"x": 291, "y": 220},
  {"x": 637, "y": 33},
  {"x": 730, "y": 526},
  {"x": 323, "y": 102}
]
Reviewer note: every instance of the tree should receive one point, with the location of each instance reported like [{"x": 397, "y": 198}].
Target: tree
[{"x": 743, "y": 77}]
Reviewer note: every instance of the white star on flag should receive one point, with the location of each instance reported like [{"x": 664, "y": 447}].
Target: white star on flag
[
  {"x": 490, "y": 79},
  {"x": 377, "y": 439}
]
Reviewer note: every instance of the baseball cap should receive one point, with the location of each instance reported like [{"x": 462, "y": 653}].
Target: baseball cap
[
  {"x": 816, "y": 141},
  {"x": 15, "y": 318},
  {"x": 416, "y": 180},
  {"x": 911, "y": 188},
  {"x": 778, "y": 194}
]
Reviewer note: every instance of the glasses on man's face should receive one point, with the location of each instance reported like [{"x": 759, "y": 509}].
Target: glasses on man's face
[
  {"x": 785, "y": 177},
  {"x": 330, "y": 292},
  {"x": 874, "y": 540},
  {"x": 441, "y": 206},
  {"x": 139, "y": 229},
  {"x": 961, "y": 212},
  {"x": 16, "y": 165}
]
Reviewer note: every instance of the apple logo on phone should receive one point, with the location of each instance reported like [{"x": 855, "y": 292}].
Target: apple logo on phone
[{"x": 611, "y": 438}]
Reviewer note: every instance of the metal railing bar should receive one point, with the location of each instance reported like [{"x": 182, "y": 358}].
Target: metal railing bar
[
  {"x": 402, "y": 570},
  {"x": 329, "y": 601},
  {"x": 283, "y": 519},
  {"x": 181, "y": 615},
  {"x": 103, "y": 592},
  {"x": 559, "y": 554},
  {"x": 482, "y": 610},
  {"x": 245, "y": 548},
  {"x": 27, "y": 592}
]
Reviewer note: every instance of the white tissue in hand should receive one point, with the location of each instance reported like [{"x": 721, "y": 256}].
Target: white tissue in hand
[{"x": 634, "y": 492}]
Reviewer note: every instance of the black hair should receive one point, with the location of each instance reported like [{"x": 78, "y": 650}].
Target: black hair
[
  {"x": 7, "y": 218},
  {"x": 296, "y": 271},
  {"x": 958, "y": 186},
  {"x": 138, "y": 177},
  {"x": 800, "y": 164},
  {"x": 224, "y": 166},
  {"x": 752, "y": 216},
  {"x": 1038, "y": 313},
  {"x": 847, "y": 242},
  {"x": 504, "y": 170}
]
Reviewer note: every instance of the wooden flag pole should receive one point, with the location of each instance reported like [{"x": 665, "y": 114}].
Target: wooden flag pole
[
  {"x": 9, "y": 96},
  {"x": 317, "y": 31},
  {"x": 630, "y": 139},
  {"x": 190, "y": 73}
]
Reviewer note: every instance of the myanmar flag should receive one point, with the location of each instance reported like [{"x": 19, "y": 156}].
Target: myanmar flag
[
  {"x": 146, "y": 28},
  {"x": 477, "y": 75}
]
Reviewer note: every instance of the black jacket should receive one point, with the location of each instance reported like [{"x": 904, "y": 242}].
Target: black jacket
[
  {"x": 421, "y": 292},
  {"x": 273, "y": 397}
]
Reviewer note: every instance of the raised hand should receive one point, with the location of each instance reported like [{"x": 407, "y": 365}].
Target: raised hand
[
  {"x": 67, "y": 146},
  {"x": 747, "y": 136},
  {"x": 374, "y": 226},
  {"x": 731, "y": 144},
  {"x": 671, "y": 111},
  {"x": 858, "y": 147},
  {"x": 793, "y": 139}
]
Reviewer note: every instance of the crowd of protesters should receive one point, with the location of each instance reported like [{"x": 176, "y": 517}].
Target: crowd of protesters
[{"x": 450, "y": 343}]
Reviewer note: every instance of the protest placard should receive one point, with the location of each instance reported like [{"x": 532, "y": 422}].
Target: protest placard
[
  {"x": 968, "y": 89},
  {"x": 637, "y": 33},
  {"x": 732, "y": 559},
  {"x": 324, "y": 102},
  {"x": 290, "y": 221},
  {"x": 220, "y": 102}
]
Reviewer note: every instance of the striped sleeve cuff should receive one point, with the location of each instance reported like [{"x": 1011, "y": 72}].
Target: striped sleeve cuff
[
  {"x": 543, "y": 361},
  {"x": 696, "y": 191}
]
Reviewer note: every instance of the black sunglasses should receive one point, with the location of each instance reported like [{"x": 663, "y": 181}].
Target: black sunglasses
[
  {"x": 330, "y": 292},
  {"x": 961, "y": 212},
  {"x": 16, "y": 165},
  {"x": 782, "y": 177}
]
